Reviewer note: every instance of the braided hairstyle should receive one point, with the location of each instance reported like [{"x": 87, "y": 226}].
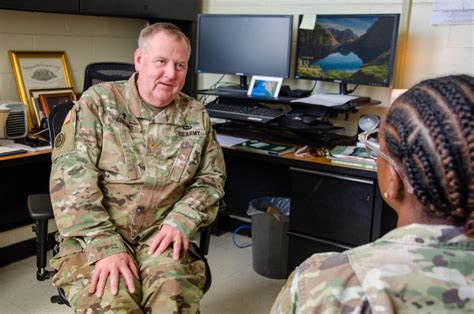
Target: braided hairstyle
[{"x": 430, "y": 130}]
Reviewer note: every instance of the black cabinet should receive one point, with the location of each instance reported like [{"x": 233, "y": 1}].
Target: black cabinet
[
  {"x": 332, "y": 206},
  {"x": 333, "y": 211},
  {"x": 57, "y": 6},
  {"x": 185, "y": 10},
  {"x": 21, "y": 177},
  {"x": 300, "y": 247},
  {"x": 164, "y": 9}
]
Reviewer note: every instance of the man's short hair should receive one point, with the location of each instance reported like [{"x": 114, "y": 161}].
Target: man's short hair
[{"x": 155, "y": 28}]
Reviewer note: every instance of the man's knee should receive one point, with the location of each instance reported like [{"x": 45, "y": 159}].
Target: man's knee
[
  {"x": 74, "y": 277},
  {"x": 174, "y": 285}
]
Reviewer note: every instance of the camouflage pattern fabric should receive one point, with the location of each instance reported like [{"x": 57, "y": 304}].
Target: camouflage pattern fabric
[
  {"x": 121, "y": 170},
  {"x": 412, "y": 269},
  {"x": 165, "y": 286}
]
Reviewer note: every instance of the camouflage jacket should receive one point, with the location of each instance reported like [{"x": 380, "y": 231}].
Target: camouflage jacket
[
  {"x": 121, "y": 170},
  {"x": 412, "y": 269}
]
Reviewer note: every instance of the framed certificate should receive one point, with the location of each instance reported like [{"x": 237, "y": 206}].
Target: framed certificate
[{"x": 38, "y": 70}]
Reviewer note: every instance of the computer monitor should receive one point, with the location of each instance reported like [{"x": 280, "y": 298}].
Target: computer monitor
[
  {"x": 244, "y": 45},
  {"x": 356, "y": 49}
]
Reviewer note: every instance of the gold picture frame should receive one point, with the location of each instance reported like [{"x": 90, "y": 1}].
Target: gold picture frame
[
  {"x": 38, "y": 70},
  {"x": 37, "y": 112}
]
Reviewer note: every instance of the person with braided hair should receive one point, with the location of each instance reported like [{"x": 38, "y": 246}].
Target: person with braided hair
[{"x": 425, "y": 170}]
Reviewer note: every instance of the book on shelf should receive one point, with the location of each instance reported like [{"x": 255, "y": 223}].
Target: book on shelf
[
  {"x": 351, "y": 153},
  {"x": 265, "y": 148}
]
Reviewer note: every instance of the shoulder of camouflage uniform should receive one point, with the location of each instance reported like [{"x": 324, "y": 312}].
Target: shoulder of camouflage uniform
[
  {"x": 103, "y": 88},
  {"x": 64, "y": 142}
]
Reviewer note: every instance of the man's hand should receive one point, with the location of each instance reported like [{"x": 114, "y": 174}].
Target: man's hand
[
  {"x": 113, "y": 266},
  {"x": 166, "y": 236}
]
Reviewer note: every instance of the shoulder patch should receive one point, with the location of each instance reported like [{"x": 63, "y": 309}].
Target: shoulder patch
[
  {"x": 59, "y": 140},
  {"x": 65, "y": 141}
]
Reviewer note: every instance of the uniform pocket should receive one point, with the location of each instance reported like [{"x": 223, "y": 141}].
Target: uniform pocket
[
  {"x": 118, "y": 159},
  {"x": 181, "y": 161}
]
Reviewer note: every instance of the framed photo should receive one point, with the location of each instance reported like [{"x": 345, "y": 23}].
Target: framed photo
[
  {"x": 49, "y": 101},
  {"x": 38, "y": 70},
  {"x": 265, "y": 86},
  {"x": 37, "y": 113}
]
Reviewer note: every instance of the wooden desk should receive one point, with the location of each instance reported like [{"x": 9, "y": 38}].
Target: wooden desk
[
  {"x": 18, "y": 157},
  {"x": 333, "y": 208}
]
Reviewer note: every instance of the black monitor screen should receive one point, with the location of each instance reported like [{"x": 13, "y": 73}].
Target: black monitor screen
[
  {"x": 357, "y": 49},
  {"x": 244, "y": 44}
]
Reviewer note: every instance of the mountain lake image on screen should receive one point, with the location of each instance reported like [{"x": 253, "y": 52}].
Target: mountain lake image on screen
[{"x": 356, "y": 49}]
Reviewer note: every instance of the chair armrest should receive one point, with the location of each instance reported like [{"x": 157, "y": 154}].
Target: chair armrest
[
  {"x": 39, "y": 207},
  {"x": 204, "y": 240},
  {"x": 41, "y": 210}
]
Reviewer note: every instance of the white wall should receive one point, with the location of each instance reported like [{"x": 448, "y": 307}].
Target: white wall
[
  {"x": 430, "y": 50},
  {"x": 85, "y": 39}
]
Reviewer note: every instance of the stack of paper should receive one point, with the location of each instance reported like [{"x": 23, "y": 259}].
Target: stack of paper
[
  {"x": 327, "y": 100},
  {"x": 351, "y": 156}
]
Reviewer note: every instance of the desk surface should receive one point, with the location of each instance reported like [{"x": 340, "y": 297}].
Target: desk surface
[
  {"x": 19, "y": 160},
  {"x": 24, "y": 155}
]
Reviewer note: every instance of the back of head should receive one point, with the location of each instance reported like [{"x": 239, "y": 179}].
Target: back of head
[
  {"x": 155, "y": 28},
  {"x": 430, "y": 130}
]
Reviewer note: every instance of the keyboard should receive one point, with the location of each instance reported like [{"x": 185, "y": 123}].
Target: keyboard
[{"x": 243, "y": 111}]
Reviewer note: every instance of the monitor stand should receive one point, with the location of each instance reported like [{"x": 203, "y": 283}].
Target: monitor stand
[
  {"x": 344, "y": 91},
  {"x": 232, "y": 89},
  {"x": 241, "y": 89}
]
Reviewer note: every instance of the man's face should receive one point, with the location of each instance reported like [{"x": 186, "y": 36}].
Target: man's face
[{"x": 161, "y": 68}]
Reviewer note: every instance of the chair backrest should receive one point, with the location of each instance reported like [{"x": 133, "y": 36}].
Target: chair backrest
[
  {"x": 107, "y": 72},
  {"x": 56, "y": 118}
]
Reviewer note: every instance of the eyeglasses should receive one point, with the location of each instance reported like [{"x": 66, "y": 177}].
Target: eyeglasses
[{"x": 371, "y": 143}]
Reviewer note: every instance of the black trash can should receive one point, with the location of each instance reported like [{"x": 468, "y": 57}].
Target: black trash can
[{"x": 270, "y": 217}]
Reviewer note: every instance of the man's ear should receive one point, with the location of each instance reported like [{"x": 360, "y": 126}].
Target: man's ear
[
  {"x": 395, "y": 186},
  {"x": 137, "y": 59}
]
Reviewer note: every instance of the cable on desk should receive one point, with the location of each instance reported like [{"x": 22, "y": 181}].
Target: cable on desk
[{"x": 240, "y": 246}]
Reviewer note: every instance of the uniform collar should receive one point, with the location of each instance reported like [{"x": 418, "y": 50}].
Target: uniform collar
[
  {"x": 171, "y": 114},
  {"x": 429, "y": 235}
]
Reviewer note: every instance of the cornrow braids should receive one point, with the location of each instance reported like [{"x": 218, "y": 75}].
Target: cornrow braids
[{"x": 430, "y": 130}]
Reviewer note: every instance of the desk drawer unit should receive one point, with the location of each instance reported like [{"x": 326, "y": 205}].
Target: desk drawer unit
[
  {"x": 329, "y": 210},
  {"x": 300, "y": 247}
]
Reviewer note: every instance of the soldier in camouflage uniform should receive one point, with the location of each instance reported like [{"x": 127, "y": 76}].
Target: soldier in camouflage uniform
[
  {"x": 136, "y": 171},
  {"x": 426, "y": 174}
]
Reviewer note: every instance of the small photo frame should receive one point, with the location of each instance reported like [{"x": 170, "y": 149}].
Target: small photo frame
[
  {"x": 49, "y": 101},
  {"x": 265, "y": 86},
  {"x": 37, "y": 113}
]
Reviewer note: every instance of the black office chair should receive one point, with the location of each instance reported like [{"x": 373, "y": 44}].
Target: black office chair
[{"x": 107, "y": 72}]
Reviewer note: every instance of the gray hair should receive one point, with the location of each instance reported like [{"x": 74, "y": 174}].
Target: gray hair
[{"x": 156, "y": 28}]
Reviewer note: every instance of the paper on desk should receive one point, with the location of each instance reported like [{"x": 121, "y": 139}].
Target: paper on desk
[
  {"x": 11, "y": 144},
  {"x": 327, "y": 100},
  {"x": 228, "y": 141}
]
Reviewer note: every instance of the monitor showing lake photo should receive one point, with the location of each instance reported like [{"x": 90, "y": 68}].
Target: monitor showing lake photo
[{"x": 357, "y": 49}]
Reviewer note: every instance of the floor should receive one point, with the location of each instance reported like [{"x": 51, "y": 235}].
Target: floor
[{"x": 236, "y": 287}]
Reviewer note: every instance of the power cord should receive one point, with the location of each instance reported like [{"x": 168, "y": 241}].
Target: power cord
[
  {"x": 234, "y": 233},
  {"x": 352, "y": 90}
]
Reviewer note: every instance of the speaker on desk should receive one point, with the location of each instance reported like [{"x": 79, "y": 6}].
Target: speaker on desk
[
  {"x": 368, "y": 122},
  {"x": 16, "y": 125}
]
